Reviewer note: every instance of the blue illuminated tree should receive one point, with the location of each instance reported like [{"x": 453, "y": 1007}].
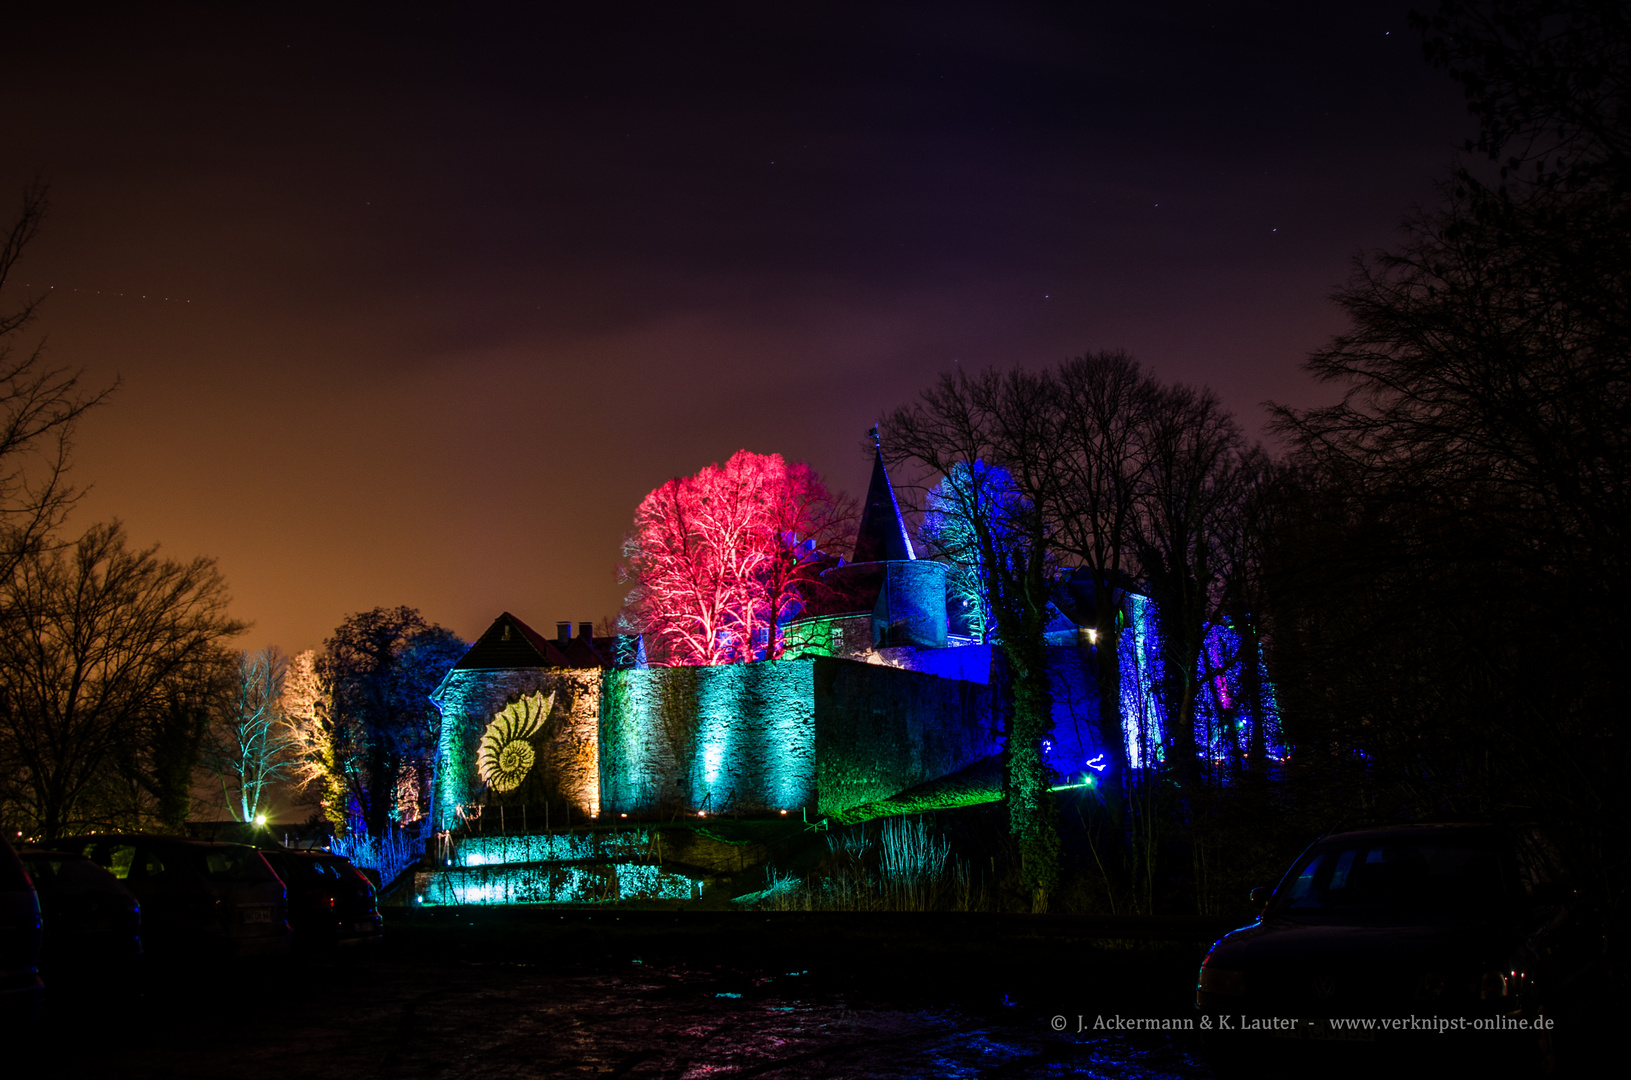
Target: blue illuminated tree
[
  {"x": 381, "y": 666},
  {"x": 967, "y": 493}
]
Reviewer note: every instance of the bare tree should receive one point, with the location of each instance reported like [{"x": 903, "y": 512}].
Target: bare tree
[
  {"x": 1189, "y": 488},
  {"x": 250, "y": 745},
  {"x": 96, "y": 641},
  {"x": 994, "y": 438},
  {"x": 39, "y": 408},
  {"x": 1106, "y": 405}
]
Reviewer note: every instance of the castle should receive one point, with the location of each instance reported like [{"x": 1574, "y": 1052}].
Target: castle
[{"x": 880, "y": 691}]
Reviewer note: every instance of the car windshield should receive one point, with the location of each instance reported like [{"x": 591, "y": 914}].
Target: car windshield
[
  {"x": 231, "y": 863},
  {"x": 1442, "y": 877},
  {"x": 305, "y": 868},
  {"x": 69, "y": 873}
]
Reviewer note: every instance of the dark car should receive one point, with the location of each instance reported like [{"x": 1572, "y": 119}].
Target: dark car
[
  {"x": 21, "y": 990},
  {"x": 195, "y": 896},
  {"x": 1460, "y": 933},
  {"x": 91, "y": 920},
  {"x": 330, "y": 901}
]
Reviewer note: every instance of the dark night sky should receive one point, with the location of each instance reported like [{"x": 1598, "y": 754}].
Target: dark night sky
[{"x": 416, "y": 308}]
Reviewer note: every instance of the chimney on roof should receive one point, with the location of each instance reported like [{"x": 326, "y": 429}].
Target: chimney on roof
[
  {"x": 586, "y": 631},
  {"x": 563, "y": 633}
]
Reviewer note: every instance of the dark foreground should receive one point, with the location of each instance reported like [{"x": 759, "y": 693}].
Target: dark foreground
[{"x": 530, "y": 992}]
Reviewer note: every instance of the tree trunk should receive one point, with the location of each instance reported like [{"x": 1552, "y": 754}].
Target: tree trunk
[{"x": 1030, "y": 717}]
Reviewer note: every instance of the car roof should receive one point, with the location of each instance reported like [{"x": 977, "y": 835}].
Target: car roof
[
  {"x": 1413, "y": 832},
  {"x": 51, "y": 853},
  {"x": 177, "y": 841}
]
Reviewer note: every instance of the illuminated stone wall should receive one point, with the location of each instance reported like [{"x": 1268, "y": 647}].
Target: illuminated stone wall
[
  {"x": 577, "y": 846},
  {"x": 1073, "y": 742},
  {"x": 881, "y": 730},
  {"x": 566, "y": 771},
  {"x": 737, "y": 736},
  {"x": 911, "y": 608},
  {"x": 821, "y": 734},
  {"x": 553, "y": 883}
]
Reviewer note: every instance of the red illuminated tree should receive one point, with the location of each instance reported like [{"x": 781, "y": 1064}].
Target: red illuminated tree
[{"x": 718, "y": 559}]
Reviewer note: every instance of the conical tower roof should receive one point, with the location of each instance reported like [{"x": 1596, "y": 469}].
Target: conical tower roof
[{"x": 882, "y": 536}]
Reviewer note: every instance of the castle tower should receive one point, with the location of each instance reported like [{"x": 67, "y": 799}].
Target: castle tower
[{"x": 904, "y": 595}]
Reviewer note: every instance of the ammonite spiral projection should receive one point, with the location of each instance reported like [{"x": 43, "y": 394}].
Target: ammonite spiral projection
[{"x": 505, "y": 755}]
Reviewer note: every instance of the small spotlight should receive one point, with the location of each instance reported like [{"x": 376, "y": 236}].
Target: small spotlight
[
  {"x": 622, "y": 815},
  {"x": 701, "y": 814},
  {"x": 260, "y": 819},
  {"x": 784, "y": 813}
]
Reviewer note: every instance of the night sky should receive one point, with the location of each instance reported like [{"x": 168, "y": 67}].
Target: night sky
[{"x": 414, "y": 309}]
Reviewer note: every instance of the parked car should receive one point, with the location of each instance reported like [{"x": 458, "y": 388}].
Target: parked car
[
  {"x": 330, "y": 901},
  {"x": 1463, "y": 933},
  {"x": 91, "y": 920},
  {"x": 21, "y": 990},
  {"x": 197, "y": 896}
]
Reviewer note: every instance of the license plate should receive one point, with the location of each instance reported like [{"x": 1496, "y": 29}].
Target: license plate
[{"x": 257, "y": 914}]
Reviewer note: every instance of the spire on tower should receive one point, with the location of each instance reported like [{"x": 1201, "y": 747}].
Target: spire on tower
[{"x": 882, "y": 536}]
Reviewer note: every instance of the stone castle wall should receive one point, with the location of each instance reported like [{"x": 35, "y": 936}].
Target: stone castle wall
[
  {"x": 737, "y": 736},
  {"x": 881, "y": 730},
  {"x": 567, "y": 769},
  {"x": 821, "y": 735}
]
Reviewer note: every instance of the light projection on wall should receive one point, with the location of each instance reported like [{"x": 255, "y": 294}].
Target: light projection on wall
[
  {"x": 1227, "y": 713},
  {"x": 505, "y": 755}
]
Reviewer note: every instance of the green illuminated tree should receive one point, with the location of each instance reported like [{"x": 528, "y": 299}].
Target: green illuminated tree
[{"x": 250, "y": 745}]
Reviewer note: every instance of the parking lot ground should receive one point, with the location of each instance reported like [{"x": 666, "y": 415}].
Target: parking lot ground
[
  {"x": 535, "y": 992},
  {"x": 544, "y": 992}
]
